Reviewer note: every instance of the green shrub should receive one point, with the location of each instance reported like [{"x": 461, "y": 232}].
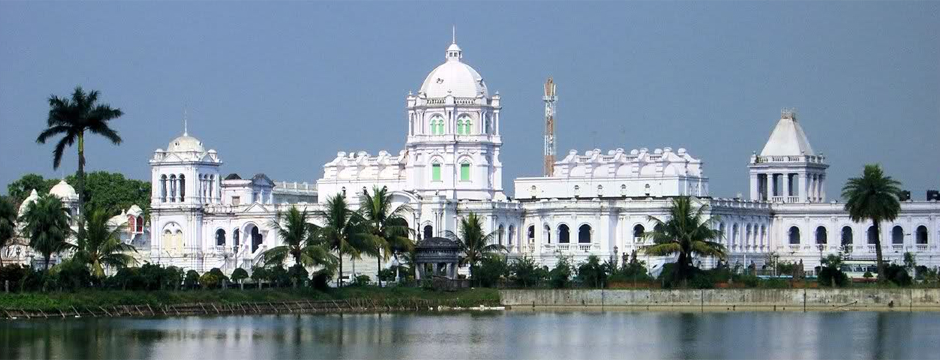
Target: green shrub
[
  {"x": 298, "y": 275},
  {"x": 361, "y": 280},
  {"x": 898, "y": 275},
  {"x": 239, "y": 274},
  {"x": 209, "y": 281},
  {"x": 560, "y": 275},
  {"x": 191, "y": 280},
  {"x": 592, "y": 273},
  {"x": 489, "y": 271},
  {"x": 321, "y": 279},
  {"x": 525, "y": 272}
]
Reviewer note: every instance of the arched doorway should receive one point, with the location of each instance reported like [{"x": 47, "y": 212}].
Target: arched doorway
[
  {"x": 584, "y": 234},
  {"x": 794, "y": 235},
  {"x": 564, "y": 234}
]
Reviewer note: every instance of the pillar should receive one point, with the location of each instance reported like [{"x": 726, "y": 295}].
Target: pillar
[
  {"x": 786, "y": 184},
  {"x": 770, "y": 185},
  {"x": 822, "y": 188},
  {"x": 755, "y": 186}
]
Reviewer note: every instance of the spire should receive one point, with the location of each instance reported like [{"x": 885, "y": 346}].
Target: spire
[
  {"x": 453, "y": 34},
  {"x": 453, "y": 51},
  {"x": 185, "y": 122}
]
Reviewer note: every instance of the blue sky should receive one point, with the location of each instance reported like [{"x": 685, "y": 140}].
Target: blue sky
[{"x": 280, "y": 87}]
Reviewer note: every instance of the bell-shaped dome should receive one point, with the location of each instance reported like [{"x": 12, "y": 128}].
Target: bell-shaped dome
[
  {"x": 33, "y": 196},
  {"x": 186, "y": 143},
  {"x": 454, "y": 77},
  {"x": 64, "y": 191}
]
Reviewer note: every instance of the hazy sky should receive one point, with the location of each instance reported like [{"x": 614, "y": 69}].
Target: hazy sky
[{"x": 281, "y": 87}]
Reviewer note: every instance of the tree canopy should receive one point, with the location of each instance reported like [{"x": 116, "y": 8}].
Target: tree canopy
[{"x": 108, "y": 191}]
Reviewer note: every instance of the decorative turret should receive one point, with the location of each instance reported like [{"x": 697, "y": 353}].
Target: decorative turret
[{"x": 787, "y": 169}]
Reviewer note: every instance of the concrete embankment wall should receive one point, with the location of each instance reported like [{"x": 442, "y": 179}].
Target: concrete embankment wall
[{"x": 728, "y": 299}]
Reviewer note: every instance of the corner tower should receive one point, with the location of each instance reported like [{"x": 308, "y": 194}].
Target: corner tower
[
  {"x": 787, "y": 170},
  {"x": 453, "y": 133}
]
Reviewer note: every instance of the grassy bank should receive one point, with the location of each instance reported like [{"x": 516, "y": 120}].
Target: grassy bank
[{"x": 106, "y": 298}]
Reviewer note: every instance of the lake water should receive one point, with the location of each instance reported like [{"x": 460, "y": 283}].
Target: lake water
[{"x": 533, "y": 335}]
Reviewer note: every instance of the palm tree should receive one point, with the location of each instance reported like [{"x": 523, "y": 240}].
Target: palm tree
[
  {"x": 102, "y": 247},
  {"x": 343, "y": 230},
  {"x": 874, "y": 197},
  {"x": 474, "y": 244},
  {"x": 47, "y": 226},
  {"x": 687, "y": 232},
  {"x": 71, "y": 118},
  {"x": 388, "y": 229},
  {"x": 301, "y": 242},
  {"x": 7, "y": 224}
]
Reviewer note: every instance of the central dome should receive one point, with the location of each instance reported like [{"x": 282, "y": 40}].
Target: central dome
[
  {"x": 455, "y": 78},
  {"x": 186, "y": 143}
]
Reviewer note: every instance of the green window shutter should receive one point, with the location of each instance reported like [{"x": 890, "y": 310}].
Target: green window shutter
[
  {"x": 436, "y": 172},
  {"x": 464, "y": 172}
]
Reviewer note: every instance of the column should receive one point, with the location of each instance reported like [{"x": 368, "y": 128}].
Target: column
[
  {"x": 822, "y": 188},
  {"x": 755, "y": 186},
  {"x": 770, "y": 185},
  {"x": 786, "y": 185}
]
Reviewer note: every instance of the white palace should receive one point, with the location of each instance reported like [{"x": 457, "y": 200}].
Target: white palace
[{"x": 595, "y": 203}]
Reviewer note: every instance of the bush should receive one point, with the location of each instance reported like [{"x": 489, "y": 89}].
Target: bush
[
  {"x": 321, "y": 279},
  {"x": 298, "y": 275},
  {"x": 191, "y": 280},
  {"x": 361, "y": 280},
  {"x": 387, "y": 274},
  {"x": 13, "y": 274},
  {"x": 219, "y": 274},
  {"x": 632, "y": 271},
  {"x": 592, "y": 273},
  {"x": 898, "y": 275},
  {"x": 70, "y": 275},
  {"x": 560, "y": 275},
  {"x": 239, "y": 274},
  {"x": 279, "y": 277},
  {"x": 209, "y": 281},
  {"x": 489, "y": 271},
  {"x": 259, "y": 274},
  {"x": 525, "y": 272}
]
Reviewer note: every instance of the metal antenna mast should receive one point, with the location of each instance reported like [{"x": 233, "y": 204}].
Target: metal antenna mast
[{"x": 549, "y": 99}]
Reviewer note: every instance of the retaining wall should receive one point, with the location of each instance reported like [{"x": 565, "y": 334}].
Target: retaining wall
[{"x": 729, "y": 299}]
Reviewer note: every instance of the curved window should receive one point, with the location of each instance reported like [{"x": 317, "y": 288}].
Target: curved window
[
  {"x": 428, "y": 231},
  {"x": 182, "y": 187},
  {"x": 500, "y": 234},
  {"x": 172, "y": 188},
  {"x": 794, "y": 235},
  {"x": 872, "y": 235},
  {"x": 921, "y": 234},
  {"x": 584, "y": 234},
  {"x": 821, "y": 236},
  {"x": 638, "y": 231},
  {"x": 463, "y": 125},
  {"x": 530, "y": 233},
  {"x": 140, "y": 224},
  {"x": 256, "y": 239},
  {"x": 846, "y": 235},
  {"x": 512, "y": 234},
  {"x": 564, "y": 234},
  {"x": 465, "y": 171},
  {"x": 897, "y": 235},
  {"x": 220, "y": 237},
  {"x": 235, "y": 237},
  {"x": 162, "y": 188},
  {"x": 547, "y": 233},
  {"x": 435, "y": 172}
]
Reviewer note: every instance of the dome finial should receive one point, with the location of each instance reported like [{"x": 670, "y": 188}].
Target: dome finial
[
  {"x": 185, "y": 121},
  {"x": 453, "y": 34}
]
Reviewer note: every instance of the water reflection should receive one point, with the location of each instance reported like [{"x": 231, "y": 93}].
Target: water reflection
[{"x": 542, "y": 335}]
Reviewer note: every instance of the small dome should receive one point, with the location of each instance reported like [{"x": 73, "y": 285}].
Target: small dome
[
  {"x": 453, "y": 77},
  {"x": 33, "y": 196},
  {"x": 64, "y": 191},
  {"x": 185, "y": 143}
]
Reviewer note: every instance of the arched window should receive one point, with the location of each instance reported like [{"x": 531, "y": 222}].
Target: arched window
[
  {"x": 822, "y": 237},
  {"x": 512, "y": 234},
  {"x": 172, "y": 188},
  {"x": 343, "y": 190},
  {"x": 435, "y": 171},
  {"x": 140, "y": 224},
  {"x": 922, "y": 235},
  {"x": 467, "y": 125},
  {"x": 220, "y": 237},
  {"x": 162, "y": 188},
  {"x": 547, "y": 234},
  {"x": 638, "y": 231},
  {"x": 794, "y": 235},
  {"x": 897, "y": 235},
  {"x": 564, "y": 234},
  {"x": 182, "y": 187},
  {"x": 530, "y": 233},
  {"x": 235, "y": 233},
  {"x": 500, "y": 234},
  {"x": 872, "y": 235},
  {"x": 428, "y": 231},
  {"x": 584, "y": 234},
  {"x": 256, "y": 239},
  {"x": 846, "y": 235},
  {"x": 437, "y": 126},
  {"x": 734, "y": 235},
  {"x": 465, "y": 171}
]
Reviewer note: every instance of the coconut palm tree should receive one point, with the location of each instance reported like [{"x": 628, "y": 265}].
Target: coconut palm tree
[
  {"x": 388, "y": 229},
  {"x": 7, "y": 224},
  {"x": 301, "y": 242},
  {"x": 874, "y": 197},
  {"x": 687, "y": 233},
  {"x": 474, "y": 243},
  {"x": 47, "y": 226},
  {"x": 343, "y": 231},
  {"x": 71, "y": 118},
  {"x": 102, "y": 247}
]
